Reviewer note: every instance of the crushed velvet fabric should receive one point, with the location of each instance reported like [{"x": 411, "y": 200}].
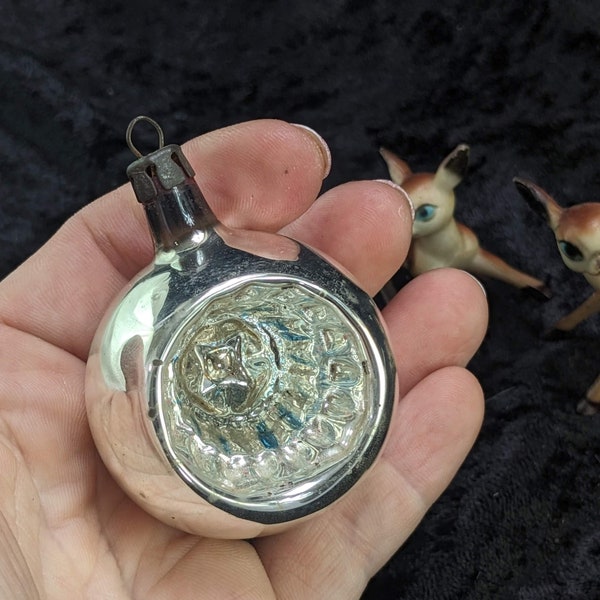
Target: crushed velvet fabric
[{"x": 518, "y": 81}]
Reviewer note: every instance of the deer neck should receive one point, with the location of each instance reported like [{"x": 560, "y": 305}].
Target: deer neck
[{"x": 444, "y": 241}]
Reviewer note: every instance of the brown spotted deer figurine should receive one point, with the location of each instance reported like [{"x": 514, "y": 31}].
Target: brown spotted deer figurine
[
  {"x": 440, "y": 241},
  {"x": 577, "y": 232}
]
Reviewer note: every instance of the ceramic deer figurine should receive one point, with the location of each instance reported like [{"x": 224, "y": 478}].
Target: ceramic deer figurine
[
  {"x": 440, "y": 241},
  {"x": 577, "y": 232}
]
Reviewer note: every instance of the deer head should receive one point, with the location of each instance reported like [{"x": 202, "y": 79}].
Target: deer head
[
  {"x": 576, "y": 229},
  {"x": 431, "y": 193}
]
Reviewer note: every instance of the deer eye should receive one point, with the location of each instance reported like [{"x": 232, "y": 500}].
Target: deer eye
[
  {"x": 571, "y": 251},
  {"x": 426, "y": 212}
]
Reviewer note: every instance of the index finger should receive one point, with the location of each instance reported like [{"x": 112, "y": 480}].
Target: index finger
[{"x": 61, "y": 292}]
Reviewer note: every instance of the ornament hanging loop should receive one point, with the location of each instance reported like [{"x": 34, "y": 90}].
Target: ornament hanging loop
[{"x": 129, "y": 132}]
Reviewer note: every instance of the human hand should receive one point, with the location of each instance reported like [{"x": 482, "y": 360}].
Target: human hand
[{"x": 68, "y": 531}]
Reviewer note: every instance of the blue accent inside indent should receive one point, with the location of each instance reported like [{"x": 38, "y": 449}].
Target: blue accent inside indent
[
  {"x": 289, "y": 417},
  {"x": 266, "y": 436},
  {"x": 225, "y": 445}
]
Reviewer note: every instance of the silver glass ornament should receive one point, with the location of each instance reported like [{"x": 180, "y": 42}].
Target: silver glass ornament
[{"x": 240, "y": 380}]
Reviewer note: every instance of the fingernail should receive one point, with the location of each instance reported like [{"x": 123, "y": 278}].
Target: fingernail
[
  {"x": 400, "y": 189},
  {"x": 476, "y": 280},
  {"x": 321, "y": 144}
]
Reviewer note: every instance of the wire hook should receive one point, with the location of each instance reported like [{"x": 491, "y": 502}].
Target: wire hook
[{"x": 161, "y": 135}]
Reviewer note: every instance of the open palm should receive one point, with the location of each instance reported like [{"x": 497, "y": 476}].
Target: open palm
[{"x": 68, "y": 532}]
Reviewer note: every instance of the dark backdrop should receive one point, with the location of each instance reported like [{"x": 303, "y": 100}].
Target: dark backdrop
[{"x": 518, "y": 81}]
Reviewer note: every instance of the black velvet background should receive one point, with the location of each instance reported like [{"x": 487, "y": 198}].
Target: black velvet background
[{"x": 518, "y": 81}]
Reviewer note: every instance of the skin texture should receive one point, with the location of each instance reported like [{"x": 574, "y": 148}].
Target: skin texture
[{"x": 67, "y": 530}]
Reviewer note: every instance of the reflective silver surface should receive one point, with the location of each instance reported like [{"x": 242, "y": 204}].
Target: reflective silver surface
[
  {"x": 240, "y": 380},
  {"x": 268, "y": 393}
]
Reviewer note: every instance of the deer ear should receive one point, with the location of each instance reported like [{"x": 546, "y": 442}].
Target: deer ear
[
  {"x": 398, "y": 169},
  {"x": 453, "y": 168},
  {"x": 539, "y": 200}
]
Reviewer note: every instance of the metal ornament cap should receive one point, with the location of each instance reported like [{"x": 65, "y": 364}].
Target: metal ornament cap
[{"x": 241, "y": 381}]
